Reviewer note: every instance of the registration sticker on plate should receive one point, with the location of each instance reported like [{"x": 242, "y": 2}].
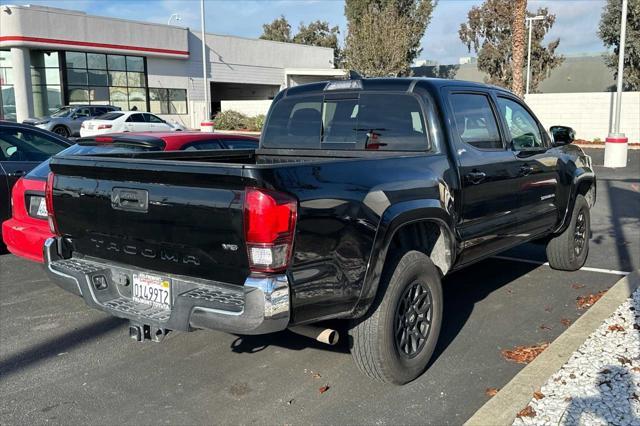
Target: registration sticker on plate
[
  {"x": 42, "y": 208},
  {"x": 152, "y": 290}
]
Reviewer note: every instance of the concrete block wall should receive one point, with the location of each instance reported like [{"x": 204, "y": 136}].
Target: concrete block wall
[{"x": 589, "y": 114}]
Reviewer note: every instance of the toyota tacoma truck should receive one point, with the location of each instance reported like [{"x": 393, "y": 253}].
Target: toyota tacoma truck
[{"x": 362, "y": 195}]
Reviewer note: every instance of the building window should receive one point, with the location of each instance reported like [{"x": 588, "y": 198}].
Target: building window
[
  {"x": 7, "y": 95},
  {"x": 45, "y": 81},
  {"x": 168, "y": 101},
  {"x": 99, "y": 79}
]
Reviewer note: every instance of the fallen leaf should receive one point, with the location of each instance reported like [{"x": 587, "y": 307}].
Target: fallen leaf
[
  {"x": 524, "y": 354},
  {"x": 624, "y": 360},
  {"x": 616, "y": 327},
  {"x": 323, "y": 389},
  {"x": 538, "y": 395},
  {"x": 568, "y": 399},
  {"x": 491, "y": 391},
  {"x": 545, "y": 327},
  {"x": 566, "y": 322},
  {"x": 316, "y": 375},
  {"x": 572, "y": 376},
  {"x": 577, "y": 286},
  {"x": 605, "y": 371},
  {"x": 584, "y": 302},
  {"x": 527, "y": 411},
  {"x": 636, "y": 369}
]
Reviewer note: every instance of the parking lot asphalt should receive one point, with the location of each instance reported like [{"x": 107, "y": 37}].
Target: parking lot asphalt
[{"x": 61, "y": 362}]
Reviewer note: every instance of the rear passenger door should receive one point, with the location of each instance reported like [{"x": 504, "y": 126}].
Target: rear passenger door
[
  {"x": 488, "y": 170},
  {"x": 537, "y": 166}
]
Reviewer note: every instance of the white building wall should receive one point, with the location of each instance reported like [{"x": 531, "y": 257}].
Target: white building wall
[
  {"x": 249, "y": 108},
  {"x": 589, "y": 114}
]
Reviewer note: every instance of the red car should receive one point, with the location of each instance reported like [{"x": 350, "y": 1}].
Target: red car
[{"x": 25, "y": 233}]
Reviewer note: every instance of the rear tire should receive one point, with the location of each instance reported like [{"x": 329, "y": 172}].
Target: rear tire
[
  {"x": 61, "y": 131},
  {"x": 569, "y": 250},
  {"x": 395, "y": 342}
]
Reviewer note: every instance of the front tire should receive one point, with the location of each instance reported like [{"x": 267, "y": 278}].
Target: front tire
[
  {"x": 61, "y": 131},
  {"x": 395, "y": 342},
  {"x": 569, "y": 250}
]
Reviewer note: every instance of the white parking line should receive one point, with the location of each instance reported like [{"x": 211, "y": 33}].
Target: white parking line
[{"x": 584, "y": 268}]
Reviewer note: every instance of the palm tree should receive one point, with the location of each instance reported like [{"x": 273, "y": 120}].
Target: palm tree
[{"x": 518, "y": 46}]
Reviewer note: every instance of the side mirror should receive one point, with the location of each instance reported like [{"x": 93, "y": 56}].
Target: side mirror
[{"x": 562, "y": 135}]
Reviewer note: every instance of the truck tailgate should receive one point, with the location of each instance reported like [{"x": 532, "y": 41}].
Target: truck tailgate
[{"x": 180, "y": 217}]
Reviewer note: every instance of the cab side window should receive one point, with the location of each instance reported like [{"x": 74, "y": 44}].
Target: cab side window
[
  {"x": 475, "y": 122},
  {"x": 523, "y": 128}
]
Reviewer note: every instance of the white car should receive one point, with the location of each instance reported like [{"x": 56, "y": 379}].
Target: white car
[{"x": 126, "y": 121}]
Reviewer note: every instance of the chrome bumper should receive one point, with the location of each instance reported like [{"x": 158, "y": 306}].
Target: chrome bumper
[{"x": 260, "y": 306}]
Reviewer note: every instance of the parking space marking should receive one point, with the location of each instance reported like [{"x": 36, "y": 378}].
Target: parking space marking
[{"x": 584, "y": 268}]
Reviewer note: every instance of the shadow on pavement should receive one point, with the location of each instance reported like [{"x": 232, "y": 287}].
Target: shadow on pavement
[
  {"x": 465, "y": 288},
  {"x": 57, "y": 344}
]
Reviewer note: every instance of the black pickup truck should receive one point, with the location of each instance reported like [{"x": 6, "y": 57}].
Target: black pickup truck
[{"x": 362, "y": 195}]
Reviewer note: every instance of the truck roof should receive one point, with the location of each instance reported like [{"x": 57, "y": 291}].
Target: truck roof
[{"x": 384, "y": 83}]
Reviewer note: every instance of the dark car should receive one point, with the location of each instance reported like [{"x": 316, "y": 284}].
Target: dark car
[
  {"x": 22, "y": 148},
  {"x": 67, "y": 120},
  {"x": 362, "y": 195}
]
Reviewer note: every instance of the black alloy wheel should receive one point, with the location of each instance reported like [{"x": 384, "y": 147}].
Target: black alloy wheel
[{"x": 414, "y": 315}]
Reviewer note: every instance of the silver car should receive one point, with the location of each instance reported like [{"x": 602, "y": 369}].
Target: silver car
[{"x": 67, "y": 120}]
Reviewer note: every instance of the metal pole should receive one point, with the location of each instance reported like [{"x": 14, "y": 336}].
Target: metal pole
[
  {"x": 205, "y": 80},
  {"x": 623, "y": 35},
  {"x": 616, "y": 144},
  {"x": 529, "y": 56}
]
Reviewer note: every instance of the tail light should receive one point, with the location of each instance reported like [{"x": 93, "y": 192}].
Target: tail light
[
  {"x": 104, "y": 126},
  {"x": 269, "y": 226},
  {"x": 48, "y": 196}
]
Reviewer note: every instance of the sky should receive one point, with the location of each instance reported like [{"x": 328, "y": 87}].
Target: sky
[{"x": 576, "y": 20}]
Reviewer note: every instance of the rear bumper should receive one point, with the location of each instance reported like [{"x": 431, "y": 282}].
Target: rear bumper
[
  {"x": 25, "y": 240},
  {"x": 260, "y": 306}
]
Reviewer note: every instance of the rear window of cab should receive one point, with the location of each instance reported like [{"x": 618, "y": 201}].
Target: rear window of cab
[{"x": 349, "y": 121}]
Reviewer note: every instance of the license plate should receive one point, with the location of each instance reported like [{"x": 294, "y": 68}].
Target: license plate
[
  {"x": 152, "y": 290},
  {"x": 42, "y": 208}
]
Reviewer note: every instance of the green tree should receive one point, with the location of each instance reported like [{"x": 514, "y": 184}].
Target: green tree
[
  {"x": 277, "y": 30},
  {"x": 374, "y": 52},
  {"x": 415, "y": 14},
  {"x": 488, "y": 31},
  {"x": 609, "y": 32},
  {"x": 319, "y": 33}
]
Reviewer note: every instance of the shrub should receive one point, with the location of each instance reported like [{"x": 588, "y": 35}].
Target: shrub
[
  {"x": 234, "y": 120},
  {"x": 256, "y": 123},
  {"x": 230, "y": 120}
]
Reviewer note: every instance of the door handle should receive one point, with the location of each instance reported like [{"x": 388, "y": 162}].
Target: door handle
[
  {"x": 474, "y": 177},
  {"x": 17, "y": 173},
  {"x": 526, "y": 170}
]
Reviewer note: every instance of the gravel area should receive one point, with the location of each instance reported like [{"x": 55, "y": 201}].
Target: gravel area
[{"x": 600, "y": 384}]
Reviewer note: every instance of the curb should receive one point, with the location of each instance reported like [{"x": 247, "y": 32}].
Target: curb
[{"x": 515, "y": 395}]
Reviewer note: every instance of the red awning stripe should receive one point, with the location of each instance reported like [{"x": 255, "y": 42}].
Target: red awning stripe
[{"x": 92, "y": 44}]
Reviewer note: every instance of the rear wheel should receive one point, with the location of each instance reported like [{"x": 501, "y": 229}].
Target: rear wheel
[
  {"x": 61, "y": 131},
  {"x": 568, "y": 251},
  {"x": 395, "y": 342}
]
